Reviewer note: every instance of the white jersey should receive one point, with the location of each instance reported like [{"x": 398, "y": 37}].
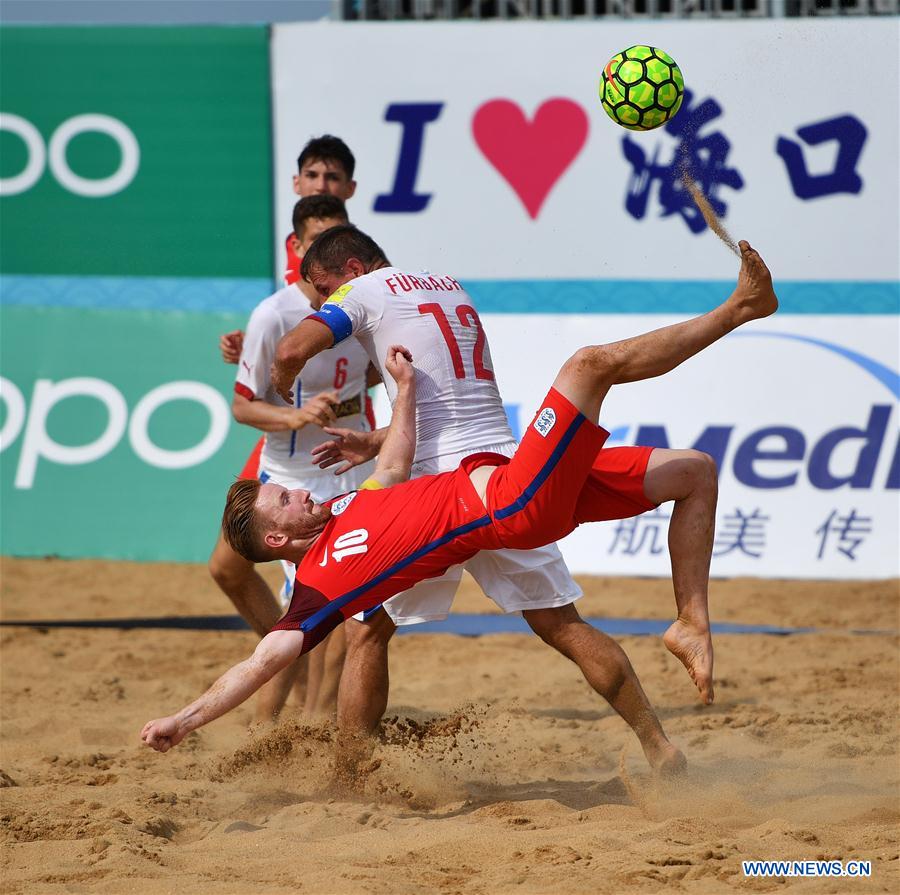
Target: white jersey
[
  {"x": 458, "y": 404},
  {"x": 286, "y": 455}
]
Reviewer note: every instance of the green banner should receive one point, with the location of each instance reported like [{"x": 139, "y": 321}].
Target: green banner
[
  {"x": 135, "y": 152},
  {"x": 135, "y": 227},
  {"x": 116, "y": 433}
]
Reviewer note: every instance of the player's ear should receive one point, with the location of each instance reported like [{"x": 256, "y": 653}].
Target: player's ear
[
  {"x": 351, "y": 189},
  {"x": 275, "y": 539},
  {"x": 355, "y": 267},
  {"x": 296, "y": 182},
  {"x": 296, "y": 245}
]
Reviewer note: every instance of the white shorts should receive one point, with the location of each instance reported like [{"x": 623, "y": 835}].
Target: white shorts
[
  {"x": 322, "y": 484},
  {"x": 513, "y": 579}
]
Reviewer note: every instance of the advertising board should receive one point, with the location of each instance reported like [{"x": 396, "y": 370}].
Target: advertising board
[
  {"x": 135, "y": 223},
  {"x": 483, "y": 152}
]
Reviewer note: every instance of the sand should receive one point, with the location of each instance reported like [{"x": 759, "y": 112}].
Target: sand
[{"x": 497, "y": 771}]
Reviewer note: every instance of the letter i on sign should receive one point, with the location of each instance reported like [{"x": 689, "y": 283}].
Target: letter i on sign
[{"x": 413, "y": 118}]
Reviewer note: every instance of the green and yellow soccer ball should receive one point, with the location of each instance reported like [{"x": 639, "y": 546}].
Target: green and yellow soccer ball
[{"x": 641, "y": 88}]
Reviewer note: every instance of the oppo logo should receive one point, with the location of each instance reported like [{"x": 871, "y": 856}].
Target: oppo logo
[
  {"x": 40, "y": 155},
  {"x": 30, "y": 418}
]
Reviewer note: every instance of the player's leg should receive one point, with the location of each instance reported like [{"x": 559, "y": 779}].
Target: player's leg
[
  {"x": 363, "y": 691},
  {"x": 533, "y": 500},
  {"x": 325, "y": 667},
  {"x": 538, "y": 584},
  {"x": 607, "y": 669},
  {"x": 588, "y": 375},
  {"x": 315, "y": 666},
  {"x": 628, "y": 481},
  {"x": 689, "y": 478},
  {"x": 256, "y": 603},
  {"x": 245, "y": 587},
  {"x": 333, "y": 667}
]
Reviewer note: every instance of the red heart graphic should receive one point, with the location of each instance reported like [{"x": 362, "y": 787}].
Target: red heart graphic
[{"x": 530, "y": 155}]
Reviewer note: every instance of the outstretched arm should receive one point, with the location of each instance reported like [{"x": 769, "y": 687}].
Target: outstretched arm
[
  {"x": 275, "y": 651},
  {"x": 304, "y": 341},
  {"x": 318, "y": 411},
  {"x": 399, "y": 448}
]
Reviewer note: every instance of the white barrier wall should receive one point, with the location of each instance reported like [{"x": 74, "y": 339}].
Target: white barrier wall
[{"x": 483, "y": 151}]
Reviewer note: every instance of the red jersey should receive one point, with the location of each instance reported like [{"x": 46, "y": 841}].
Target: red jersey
[
  {"x": 381, "y": 542},
  {"x": 292, "y": 261}
]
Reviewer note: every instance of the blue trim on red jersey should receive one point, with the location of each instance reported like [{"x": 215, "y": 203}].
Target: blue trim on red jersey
[
  {"x": 545, "y": 471},
  {"x": 336, "y": 320},
  {"x": 338, "y": 602}
]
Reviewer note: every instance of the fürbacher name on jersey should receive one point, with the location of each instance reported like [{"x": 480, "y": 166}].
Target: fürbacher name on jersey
[{"x": 407, "y": 283}]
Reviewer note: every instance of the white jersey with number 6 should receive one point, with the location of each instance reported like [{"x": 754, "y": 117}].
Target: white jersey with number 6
[
  {"x": 286, "y": 455},
  {"x": 458, "y": 404}
]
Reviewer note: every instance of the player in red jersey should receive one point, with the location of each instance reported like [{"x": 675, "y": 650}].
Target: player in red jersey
[
  {"x": 358, "y": 550},
  {"x": 460, "y": 412}
]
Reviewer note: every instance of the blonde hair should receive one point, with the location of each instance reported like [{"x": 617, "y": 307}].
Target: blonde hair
[{"x": 240, "y": 525}]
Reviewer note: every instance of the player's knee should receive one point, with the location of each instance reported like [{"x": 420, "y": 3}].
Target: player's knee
[
  {"x": 703, "y": 471},
  {"x": 598, "y": 362},
  {"x": 555, "y": 626},
  {"x": 369, "y": 636}
]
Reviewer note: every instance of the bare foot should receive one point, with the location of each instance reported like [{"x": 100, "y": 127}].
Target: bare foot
[
  {"x": 350, "y": 779},
  {"x": 353, "y": 761},
  {"x": 753, "y": 296},
  {"x": 692, "y": 646},
  {"x": 666, "y": 760},
  {"x": 672, "y": 763}
]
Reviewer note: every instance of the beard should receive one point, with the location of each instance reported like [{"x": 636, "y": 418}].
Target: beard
[{"x": 313, "y": 523}]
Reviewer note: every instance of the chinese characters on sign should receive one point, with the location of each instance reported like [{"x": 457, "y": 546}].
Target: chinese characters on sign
[
  {"x": 639, "y": 533},
  {"x": 850, "y": 135},
  {"x": 704, "y": 156},
  {"x": 843, "y": 533},
  {"x": 743, "y": 532}
]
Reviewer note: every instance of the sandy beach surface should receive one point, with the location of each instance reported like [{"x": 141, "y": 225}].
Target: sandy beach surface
[{"x": 497, "y": 770}]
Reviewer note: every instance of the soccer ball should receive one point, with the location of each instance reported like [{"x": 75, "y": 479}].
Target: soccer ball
[{"x": 641, "y": 88}]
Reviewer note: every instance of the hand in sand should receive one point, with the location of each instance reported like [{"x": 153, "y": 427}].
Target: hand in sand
[{"x": 163, "y": 733}]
